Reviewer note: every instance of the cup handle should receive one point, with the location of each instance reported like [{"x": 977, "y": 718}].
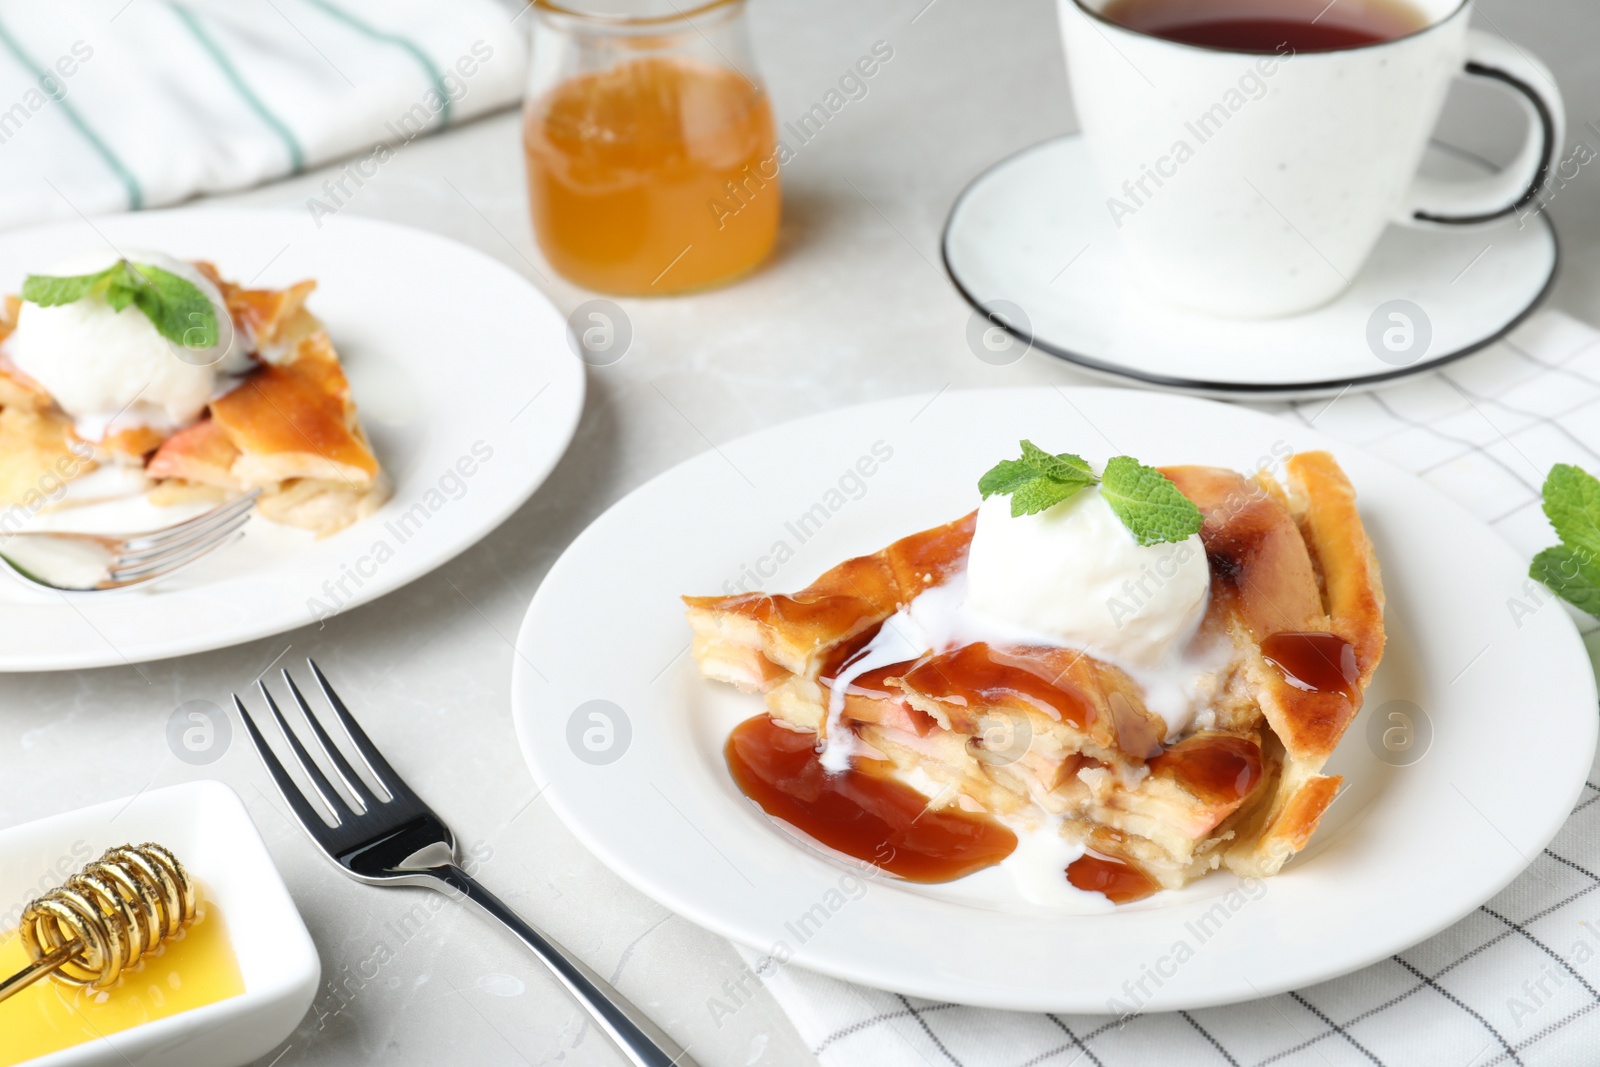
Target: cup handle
[{"x": 1462, "y": 203}]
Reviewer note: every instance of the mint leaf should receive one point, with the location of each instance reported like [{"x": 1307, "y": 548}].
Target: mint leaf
[
  {"x": 1149, "y": 505},
  {"x": 1005, "y": 478},
  {"x": 119, "y": 292},
  {"x": 1572, "y": 568},
  {"x": 48, "y": 290},
  {"x": 1039, "y": 495},
  {"x": 1146, "y": 501},
  {"x": 1036, "y": 481},
  {"x": 1063, "y": 468},
  {"x": 1572, "y": 574},
  {"x": 175, "y": 306},
  {"x": 1572, "y": 503}
]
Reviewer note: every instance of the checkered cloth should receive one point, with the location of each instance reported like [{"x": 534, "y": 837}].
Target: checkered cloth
[{"x": 1484, "y": 431}]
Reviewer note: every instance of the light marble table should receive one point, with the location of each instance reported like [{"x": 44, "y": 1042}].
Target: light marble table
[{"x": 854, "y": 306}]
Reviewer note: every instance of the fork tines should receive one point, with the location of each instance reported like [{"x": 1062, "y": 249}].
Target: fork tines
[
  {"x": 152, "y": 555},
  {"x": 357, "y": 798}
]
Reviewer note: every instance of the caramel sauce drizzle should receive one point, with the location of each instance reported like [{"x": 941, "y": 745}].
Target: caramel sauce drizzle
[
  {"x": 1118, "y": 880},
  {"x": 861, "y": 812},
  {"x": 979, "y": 676},
  {"x": 867, "y": 814},
  {"x": 1218, "y": 768},
  {"x": 1314, "y": 662}
]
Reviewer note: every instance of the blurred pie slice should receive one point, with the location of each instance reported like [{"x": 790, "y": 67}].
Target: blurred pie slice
[
  {"x": 1295, "y": 625},
  {"x": 36, "y": 439},
  {"x": 287, "y": 427}
]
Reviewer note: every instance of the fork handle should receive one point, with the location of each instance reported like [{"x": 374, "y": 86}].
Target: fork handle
[{"x": 643, "y": 1042}]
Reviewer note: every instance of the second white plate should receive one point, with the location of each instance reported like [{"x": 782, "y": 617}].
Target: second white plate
[
  {"x": 465, "y": 383},
  {"x": 627, "y": 739}
]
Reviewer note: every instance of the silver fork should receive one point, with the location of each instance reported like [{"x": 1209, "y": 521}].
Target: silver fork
[
  {"x": 400, "y": 842},
  {"x": 85, "y": 562}
]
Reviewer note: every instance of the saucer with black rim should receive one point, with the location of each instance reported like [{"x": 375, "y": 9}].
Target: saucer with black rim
[{"x": 1031, "y": 246}]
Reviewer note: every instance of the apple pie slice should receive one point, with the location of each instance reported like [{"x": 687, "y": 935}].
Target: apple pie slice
[
  {"x": 1048, "y": 735},
  {"x": 279, "y": 419}
]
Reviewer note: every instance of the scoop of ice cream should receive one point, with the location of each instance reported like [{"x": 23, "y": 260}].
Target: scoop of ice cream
[
  {"x": 1074, "y": 573},
  {"x": 101, "y": 364}
]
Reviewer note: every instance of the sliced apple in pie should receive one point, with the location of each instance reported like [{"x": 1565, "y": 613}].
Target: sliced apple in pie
[{"x": 1291, "y": 631}]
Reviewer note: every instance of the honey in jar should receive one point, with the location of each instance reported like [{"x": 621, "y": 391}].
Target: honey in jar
[{"x": 656, "y": 175}]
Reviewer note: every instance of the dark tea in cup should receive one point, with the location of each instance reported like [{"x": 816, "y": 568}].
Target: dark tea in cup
[{"x": 1282, "y": 26}]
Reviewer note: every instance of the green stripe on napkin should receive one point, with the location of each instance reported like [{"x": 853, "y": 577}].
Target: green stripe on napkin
[
  {"x": 398, "y": 41},
  {"x": 297, "y": 157},
  {"x": 129, "y": 182}
]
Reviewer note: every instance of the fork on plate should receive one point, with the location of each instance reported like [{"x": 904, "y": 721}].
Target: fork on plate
[
  {"x": 93, "y": 563},
  {"x": 398, "y": 841}
]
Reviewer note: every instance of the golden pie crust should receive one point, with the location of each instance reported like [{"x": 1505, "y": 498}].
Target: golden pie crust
[
  {"x": 288, "y": 428},
  {"x": 1242, "y": 789}
]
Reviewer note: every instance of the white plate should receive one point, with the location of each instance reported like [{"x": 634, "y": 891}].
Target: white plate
[
  {"x": 1405, "y": 851},
  {"x": 206, "y": 826},
  {"x": 447, "y": 351},
  {"x": 1030, "y": 241}
]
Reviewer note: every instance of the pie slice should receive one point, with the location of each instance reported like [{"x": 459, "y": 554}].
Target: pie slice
[
  {"x": 36, "y": 458},
  {"x": 1292, "y": 632},
  {"x": 288, "y": 427}
]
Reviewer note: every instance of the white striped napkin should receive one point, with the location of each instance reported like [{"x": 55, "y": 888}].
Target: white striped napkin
[
  {"x": 1515, "y": 982},
  {"x": 111, "y": 105}
]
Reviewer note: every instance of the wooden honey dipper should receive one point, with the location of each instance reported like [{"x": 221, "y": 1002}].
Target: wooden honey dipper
[{"x": 105, "y": 918}]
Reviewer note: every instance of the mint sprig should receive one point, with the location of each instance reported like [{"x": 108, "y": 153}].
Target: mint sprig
[
  {"x": 1036, "y": 481},
  {"x": 48, "y": 291},
  {"x": 1572, "y": 568},
  {"x": 175, "y": 306},
  {"x": 1149, "y": 505}
]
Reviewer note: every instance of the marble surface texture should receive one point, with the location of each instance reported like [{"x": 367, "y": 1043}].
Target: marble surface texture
[{"x": 853, "y": 306}]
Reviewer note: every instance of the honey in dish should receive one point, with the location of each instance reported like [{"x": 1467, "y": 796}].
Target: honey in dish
[
  {"x": 194, "y": 968},
  {"x": 656, "y": 176}
]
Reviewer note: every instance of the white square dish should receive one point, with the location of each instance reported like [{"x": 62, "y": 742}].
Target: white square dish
[{"x": 206, "y": 825}]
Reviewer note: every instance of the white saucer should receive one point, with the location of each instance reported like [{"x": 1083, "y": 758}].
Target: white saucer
[
  {"x": 1030, "y": 243},
  {"x": 626, "y": 739}
]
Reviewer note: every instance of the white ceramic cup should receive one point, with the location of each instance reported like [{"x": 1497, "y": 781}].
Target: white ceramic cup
[{"x": 1253, "y": 186}]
